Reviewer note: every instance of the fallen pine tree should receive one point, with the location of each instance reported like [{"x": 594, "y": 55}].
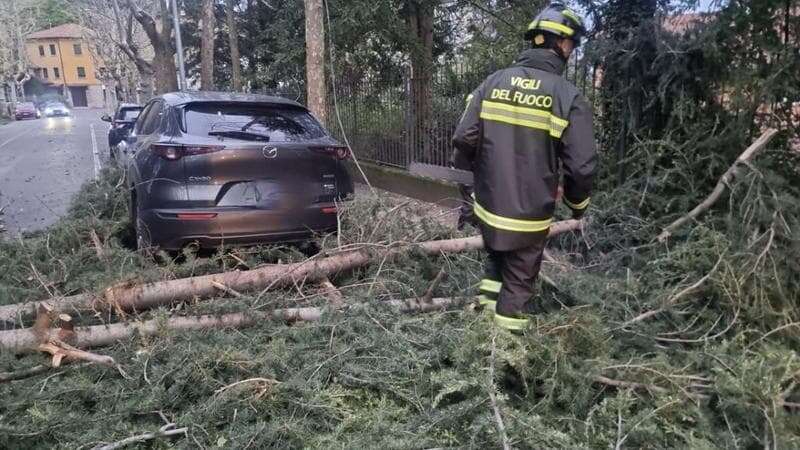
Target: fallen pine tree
[
  {"x": 125, "y": 298},
  {"x": 713, "y": 367},
  {"x": 32, "y": 339}
]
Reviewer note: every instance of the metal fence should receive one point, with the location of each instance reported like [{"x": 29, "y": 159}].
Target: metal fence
[{"x": 386, "y": 123}]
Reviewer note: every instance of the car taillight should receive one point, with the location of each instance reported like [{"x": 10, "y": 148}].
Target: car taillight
[
  {"x": 174, "y": 152},
  {"x": 335, "y": 151}
]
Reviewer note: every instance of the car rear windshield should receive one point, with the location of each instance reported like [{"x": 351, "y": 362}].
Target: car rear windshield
[
  {"x": 130, "y": 114},
  {"x": 274, "y": 122}
]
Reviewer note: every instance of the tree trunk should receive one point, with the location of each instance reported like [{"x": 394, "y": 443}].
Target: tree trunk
[
  {"x": 420, "y": 23},
  {"x": 28, "y": 340},
  {"x": 147, "y": 296},
  {"x": 207, "y": 46},
  {"x": 233, "y": 38},
  {"x": 165, "y": 72},
  {"x": 315, "y": 59},
  {"x": 163, "y": 66}
]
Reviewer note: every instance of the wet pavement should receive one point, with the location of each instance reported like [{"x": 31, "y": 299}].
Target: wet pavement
[{"x": 43, "y": 163}]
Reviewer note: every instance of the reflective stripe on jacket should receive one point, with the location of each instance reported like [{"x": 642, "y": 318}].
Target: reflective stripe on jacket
[{"x": 520, "y": 126}]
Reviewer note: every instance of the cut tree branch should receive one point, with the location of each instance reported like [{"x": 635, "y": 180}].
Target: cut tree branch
[
  {"x": 727, "y": 178},
  {"x": 672, "y": 301},
  {"x": 165, "y": 431},
  {"x": 28, "y": 340},
  {"x": 133, "y": 298}
]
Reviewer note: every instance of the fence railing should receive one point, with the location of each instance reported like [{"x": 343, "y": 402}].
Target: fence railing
[{"x": 390, "y": 123}]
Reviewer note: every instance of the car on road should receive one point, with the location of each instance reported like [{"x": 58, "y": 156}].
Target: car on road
[
  {"x": 121, "y": 126},
  {"x": 26, "y": 110},
  {"x": 56, "y": 109},
  {"x": 221, "y": 168}
]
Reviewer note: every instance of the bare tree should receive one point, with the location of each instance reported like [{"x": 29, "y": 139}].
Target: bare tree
[
  {"x": 207, "y": 46},
  {"x": 18, "y": 20},
  {"x": 233, "y": 38},
  {"x": 159, "y": 33},
  {"x": 116, "y": 45},
  {"x": 315, "y": 58}
]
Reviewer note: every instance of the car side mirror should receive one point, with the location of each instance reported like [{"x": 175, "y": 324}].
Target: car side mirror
[{"x": 105, "y": 118}]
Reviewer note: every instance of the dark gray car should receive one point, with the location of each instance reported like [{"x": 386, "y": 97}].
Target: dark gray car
[
  {"x": 121, "y": 125},
  {"x": 216, "y": 168}
]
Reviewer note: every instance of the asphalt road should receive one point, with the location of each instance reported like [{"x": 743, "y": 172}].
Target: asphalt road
[{"x": 43, "y": 163}]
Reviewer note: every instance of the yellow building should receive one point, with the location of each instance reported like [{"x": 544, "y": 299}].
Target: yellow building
[{"x": 60, "y": 57}]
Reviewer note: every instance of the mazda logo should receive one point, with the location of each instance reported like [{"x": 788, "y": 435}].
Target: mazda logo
[{"x": 269, "y": 152}]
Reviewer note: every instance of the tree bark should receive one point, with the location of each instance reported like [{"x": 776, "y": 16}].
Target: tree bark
[
  {"x": 420, "y": 24},
  {"x": 207, "y": 46},
  {"x": 724, "y": 182},
  {"x": 164, "y": 69},
  {"x": 127, "y": 298},
  {"x": 233, "y": 39},
  {"x": 315, "y": 59},
  {"x": 28, "y": 341}
]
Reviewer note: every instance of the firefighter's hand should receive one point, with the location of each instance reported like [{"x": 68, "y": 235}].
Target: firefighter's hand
[
  {"x": 466, "y": 215},
  {"x": 466, "y": 212}
]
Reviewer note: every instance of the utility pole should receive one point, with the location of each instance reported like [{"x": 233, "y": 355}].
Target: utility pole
[
  {"x": 179, "y": 46},
  {"x": 315, "y": 59}
]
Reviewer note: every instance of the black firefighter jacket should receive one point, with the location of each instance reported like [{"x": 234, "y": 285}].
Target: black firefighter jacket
[{"x": 520, "y": 126}]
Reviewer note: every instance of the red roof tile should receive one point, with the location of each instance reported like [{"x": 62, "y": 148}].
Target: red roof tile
[{"x": 68, "y": 30}]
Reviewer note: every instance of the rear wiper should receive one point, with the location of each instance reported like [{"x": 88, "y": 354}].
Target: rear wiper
[{"x": 237, "y": 134}]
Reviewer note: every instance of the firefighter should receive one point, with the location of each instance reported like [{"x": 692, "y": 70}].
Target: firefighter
[{"x": 522, "y": 128}]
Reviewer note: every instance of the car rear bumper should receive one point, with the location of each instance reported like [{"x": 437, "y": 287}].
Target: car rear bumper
[
  {"x": 172, "y": 229},
  {"x": 21, "y": 116}
]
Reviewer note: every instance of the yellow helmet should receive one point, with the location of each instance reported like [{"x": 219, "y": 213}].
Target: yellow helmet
[{"x": 560, "y": 21}]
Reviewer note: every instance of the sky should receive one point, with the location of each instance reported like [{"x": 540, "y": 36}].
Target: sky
[{"x": 705, "y": 5}]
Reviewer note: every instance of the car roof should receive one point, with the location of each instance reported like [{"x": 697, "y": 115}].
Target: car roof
[
  {"x": 183, "y": 98},
  {"x": 129, "y": 106}
]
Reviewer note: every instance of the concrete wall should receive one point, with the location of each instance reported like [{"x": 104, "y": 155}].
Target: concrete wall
[{"x": 403, "y": 183}]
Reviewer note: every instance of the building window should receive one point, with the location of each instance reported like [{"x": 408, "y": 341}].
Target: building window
[
  {"x": 81, "y": 72},
  {"x": 56, "y": 73},
  {"x": 44, "y": 73},
  {"x": 41, "y": 50},
  {"x": 77, "y": 49},
  {"x": 52, "y": 49}
]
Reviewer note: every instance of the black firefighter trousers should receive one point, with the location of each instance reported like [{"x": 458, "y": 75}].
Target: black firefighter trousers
[{"x": 510, "y": 276}]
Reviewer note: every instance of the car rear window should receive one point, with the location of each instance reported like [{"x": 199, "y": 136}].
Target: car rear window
[{"x": 278, "y": 123}]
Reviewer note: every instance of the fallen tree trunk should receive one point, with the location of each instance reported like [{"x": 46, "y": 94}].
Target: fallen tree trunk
[
  {"x": 28, "y": 340},
  {"x": 132, "y": 298},
  {"x": 724, "y": 181}
]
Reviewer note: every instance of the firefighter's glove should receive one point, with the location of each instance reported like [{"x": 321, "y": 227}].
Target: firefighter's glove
[
  {"x": 466, "y": 212},
  {"x": 466, "y": 215}
]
